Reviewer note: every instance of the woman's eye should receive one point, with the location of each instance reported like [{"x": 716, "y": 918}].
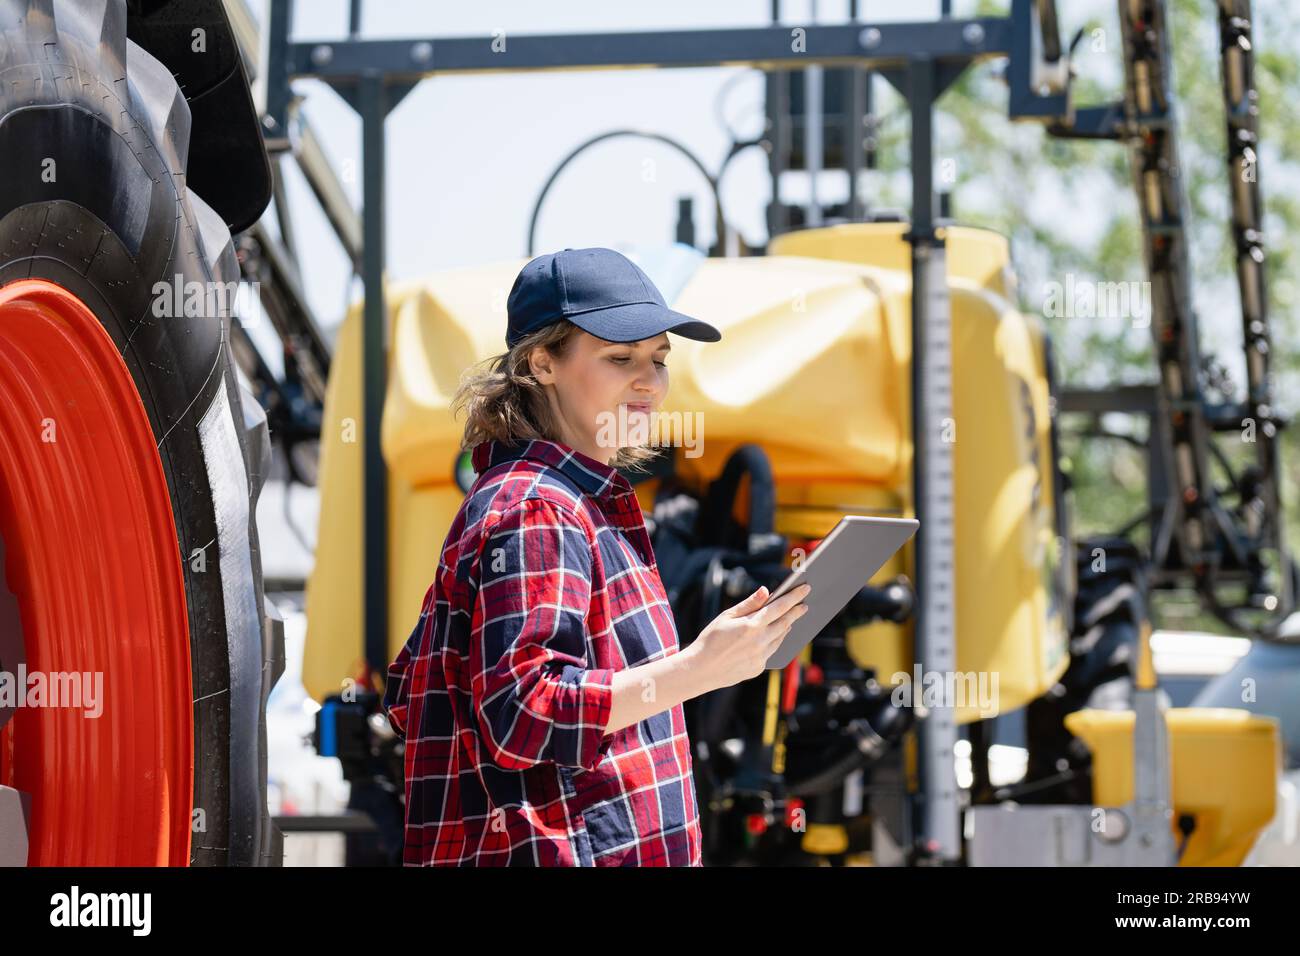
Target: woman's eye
[{"x": 624, "y": 359}]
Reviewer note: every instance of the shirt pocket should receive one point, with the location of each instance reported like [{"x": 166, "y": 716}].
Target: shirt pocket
[{"x": 611, "y": 833}]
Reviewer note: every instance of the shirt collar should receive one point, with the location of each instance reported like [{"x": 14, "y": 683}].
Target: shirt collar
[{"x": 592, "y": 476}]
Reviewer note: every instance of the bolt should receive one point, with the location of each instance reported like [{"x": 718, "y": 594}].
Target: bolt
[
  {"x": 422, "y": 52},
  {"x": 320, "y": 55},
  {"x": 973, "y": 34},
  {"x": 869, "y": 38}
]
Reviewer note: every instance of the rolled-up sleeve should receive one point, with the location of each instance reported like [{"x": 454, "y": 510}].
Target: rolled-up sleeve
[{"x": 535, "y": 696}]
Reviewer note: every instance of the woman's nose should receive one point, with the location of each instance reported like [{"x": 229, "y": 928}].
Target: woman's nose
[{"x": 647, "y": 378}]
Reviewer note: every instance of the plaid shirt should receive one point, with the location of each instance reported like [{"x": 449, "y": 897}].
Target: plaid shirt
[{"x": 547, "y": 585}]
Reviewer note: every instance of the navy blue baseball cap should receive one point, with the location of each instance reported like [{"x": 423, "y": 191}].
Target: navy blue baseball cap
[{"x": 598, "y": 290}]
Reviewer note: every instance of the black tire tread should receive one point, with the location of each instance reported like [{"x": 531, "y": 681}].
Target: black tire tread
[{"x": 74, "y": 56}]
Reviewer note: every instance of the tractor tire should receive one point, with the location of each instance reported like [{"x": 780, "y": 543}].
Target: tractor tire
[{"x": 130, "y": 463}]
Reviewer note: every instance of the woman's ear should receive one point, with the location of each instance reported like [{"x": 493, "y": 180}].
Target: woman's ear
[{"x": 541, "y": 364}]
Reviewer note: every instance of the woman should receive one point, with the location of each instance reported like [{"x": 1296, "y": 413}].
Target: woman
[{"x": 540, "y": 695}]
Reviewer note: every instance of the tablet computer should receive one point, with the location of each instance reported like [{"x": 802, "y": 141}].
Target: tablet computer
[{"x": 839, "y": 567}]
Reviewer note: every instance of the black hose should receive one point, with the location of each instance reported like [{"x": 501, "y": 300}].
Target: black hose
[
  {"x": 715, "y": 517},
  {"x": 865, "y": 746}
]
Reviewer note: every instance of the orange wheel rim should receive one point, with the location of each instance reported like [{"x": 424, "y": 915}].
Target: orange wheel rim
[{"x": 91, "y": 557}]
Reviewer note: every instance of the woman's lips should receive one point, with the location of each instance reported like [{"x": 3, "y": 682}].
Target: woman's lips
[{"x": 638, "y": 407}]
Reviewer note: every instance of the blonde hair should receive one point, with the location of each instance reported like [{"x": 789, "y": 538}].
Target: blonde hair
[{"x": 504, "y": 401}]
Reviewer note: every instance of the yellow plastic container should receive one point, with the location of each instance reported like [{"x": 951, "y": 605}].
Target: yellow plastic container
[
  {"x": 1224, "y": 763},
  {"x": 1009, "y": 622},
  {"x": 814, "y": 365}
]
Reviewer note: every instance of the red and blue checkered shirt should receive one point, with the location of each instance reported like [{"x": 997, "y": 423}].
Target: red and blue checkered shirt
[{"x": 546, "y": 586}]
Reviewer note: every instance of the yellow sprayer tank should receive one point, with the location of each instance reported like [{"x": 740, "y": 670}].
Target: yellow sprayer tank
[{"x": 814, "y": 365}]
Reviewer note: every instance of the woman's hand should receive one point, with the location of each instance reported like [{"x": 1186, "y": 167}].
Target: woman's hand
[{"x": 736, "y": 645}]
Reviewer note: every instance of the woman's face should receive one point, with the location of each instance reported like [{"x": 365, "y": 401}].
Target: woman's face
[{"x": 598, "y": 386}]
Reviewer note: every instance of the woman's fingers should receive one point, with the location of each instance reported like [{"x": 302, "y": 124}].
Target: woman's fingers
[
  {"x": 787, "y": 620},
  {"x": 794, "y": 613},
  {"x": 781, "y": 627},
  {"x": 782, "y": 605}
]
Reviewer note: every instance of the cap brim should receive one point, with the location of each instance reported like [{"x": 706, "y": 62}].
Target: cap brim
[{"x": 642, "y": 320}]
